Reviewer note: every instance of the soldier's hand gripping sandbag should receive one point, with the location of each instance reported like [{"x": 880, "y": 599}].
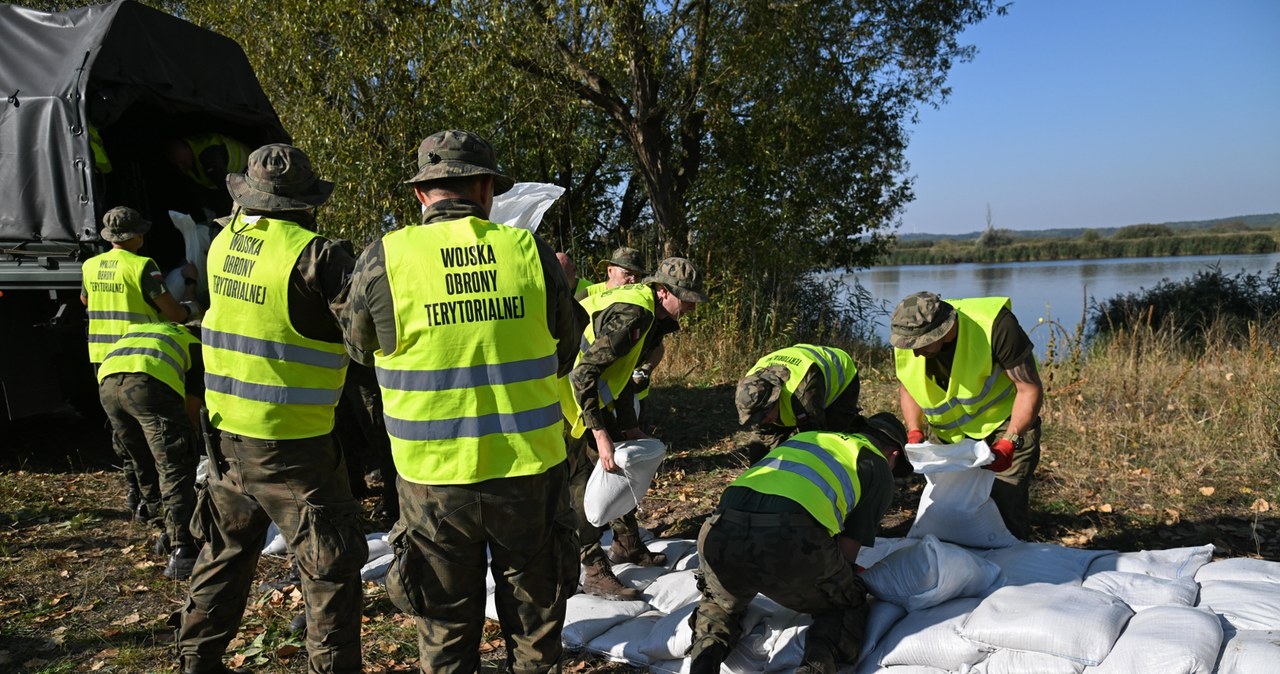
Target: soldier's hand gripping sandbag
[{"x": 612, "y": 495}]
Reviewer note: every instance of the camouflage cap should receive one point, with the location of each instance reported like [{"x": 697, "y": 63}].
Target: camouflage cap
[
  {"x": 679, "y": 274},
  {"x": 457, "y": 154},
  {"x": 627, "y": 258},
  {"x": 920, "y": 319},
  {"x": 756, "y": 396},
  {"x": 890, "y": 427},
  {"x": 279, "y": 178},
  {"x": 123, "y": 223}
]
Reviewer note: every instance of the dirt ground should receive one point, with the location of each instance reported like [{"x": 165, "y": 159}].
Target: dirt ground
[{"x": 81, "y": 590}]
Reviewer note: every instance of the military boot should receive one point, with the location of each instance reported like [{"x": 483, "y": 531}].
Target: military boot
[
  {"x": 628, "y": 548},
  {"x": 601, "y": 582},
  {"x": 181, "y": 562},
  {"x": 708, "y": 660}
]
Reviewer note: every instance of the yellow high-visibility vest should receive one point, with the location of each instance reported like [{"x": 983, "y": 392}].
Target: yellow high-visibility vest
[
  {"x": 237, "y": 156},
  {"x": 262, "y": 378},
  {"x": 836, "y": 365},
  {"x": 162, "y": 350},
  {"x": 979, "y": 397},
  {"x": 470, "y": 392},
  {"x": 114, "y": 282},
  {"x": 618, "y": 374},
  {"x": 818, "y": 470}
]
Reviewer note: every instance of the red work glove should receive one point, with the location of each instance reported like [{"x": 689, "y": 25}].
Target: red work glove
[
  {"x": 915, "y": 436},
  {"x": 1003, "y": 452}
]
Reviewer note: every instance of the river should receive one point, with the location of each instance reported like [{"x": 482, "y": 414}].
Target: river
[{"x": 1055, "y": 292}]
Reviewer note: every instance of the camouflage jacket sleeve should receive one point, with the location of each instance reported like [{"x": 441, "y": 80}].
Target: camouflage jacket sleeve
[
  {"x": 618, "y": 328},
  {"x": 368, "y": 317},
  {"x": 763, "y": 439}
]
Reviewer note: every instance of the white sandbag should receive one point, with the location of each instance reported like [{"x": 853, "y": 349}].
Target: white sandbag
[
  {"x": 611, "y": 495},
  {"x": 1027, "y": 563},
  {"x": 957, "y": 508},
  {"x": 1240, "y": 568},
  {"x": 622, "y": 642},
  {"x": 195, "y": 239},
  {"x": 785, "y": 642},
  {"x": 928, "y": 637},
  {"x": 1141, "y": 591},
  {"x": 673, "y": 666},
  {"x": 1165, "y": 640},
  {"x": 928, "y": 458},
  {"x": 929, "y": 573},
  {"x": 275, "y": 542},
  {"x": 1243, "y": 604},
  {"x": 378, "y": 545},
  {"x": 638, "y": 577},
  {"x": 1025, "y": 662},
  {"x": 673, "y": 591},
  {"x": 671, "y": 636},
  {"x": 880, "y": 619},
  {"x": 674, "y": 548},
  {"x": 1065, "y": 621},
  {"x": 868, "y": 556},
  {"x": 587, "y": 617},
  {"x": 524, "y": 204},
  {"x": 1172, "y": 563},
  {"x": 688, "y": 562},
  {"x": 1249, "y": 652},
  {"x": 914, "y": 669},
  {"x": 375, "y": 570}
]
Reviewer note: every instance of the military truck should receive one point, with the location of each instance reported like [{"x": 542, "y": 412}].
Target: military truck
[{"x": 89, "y": 98}]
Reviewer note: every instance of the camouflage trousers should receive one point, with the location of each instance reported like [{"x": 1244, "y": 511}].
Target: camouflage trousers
[
  {"x": 789, "y": 558},
  {"x": 582, "y": 460},
  {"x": 150, "y": 428},
  {"x": 301, "y": 485},
  {"x": 438, "y": 575},
  {"x": 1011, "y": 490}
]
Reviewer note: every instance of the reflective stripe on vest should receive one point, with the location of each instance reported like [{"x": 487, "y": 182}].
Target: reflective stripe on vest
[
  {"x": 816, "y": 469},
  {"x": 979, "y": 396},
  {"x": 162, "y": 350},
  {"x": 618, "y": 374},
  {"x": 836, "y": 365},
  {"x": 262, "y": 378},
  {"x": 237, "y": 156},
  {"x": 469, "y": 395},
  {"x": 114, "y": 282}
]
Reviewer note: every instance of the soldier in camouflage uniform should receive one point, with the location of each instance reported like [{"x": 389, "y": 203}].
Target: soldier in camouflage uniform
[
  {"x": 966, "y": 368},
  {"x": 775, "y": 405},
  {"x": 471, "y": 409},
  {"x": 616, "y": 340},
  {"x": 776, "y": 532},
  {"x": 149, "y": 384},
  {"x": 275, "y": 366},
  {"x": 626, "y": 265}
]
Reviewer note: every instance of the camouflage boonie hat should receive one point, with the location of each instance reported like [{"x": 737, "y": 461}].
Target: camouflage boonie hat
[
  {"x": 757, "y": 393},
  {"x": 920, "y": 319},
  {"x": 123, "y": 223},
  {"x": 679, "y": 274},
  {"x": 627, "y": 258},
  {"x": 279, "y": 178},
  {"x": 890, "y": 426},
  {"x": 457, "y": 154}
]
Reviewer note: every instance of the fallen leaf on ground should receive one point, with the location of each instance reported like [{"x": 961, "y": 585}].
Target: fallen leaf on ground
[
  {"x": 1207, "y": 491},
  {"x": 130, "y": 619},
  {"x": 1260, "y": 506}
]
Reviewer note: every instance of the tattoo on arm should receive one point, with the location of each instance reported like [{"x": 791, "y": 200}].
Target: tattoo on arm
[{"x": 1025, "y": 372}]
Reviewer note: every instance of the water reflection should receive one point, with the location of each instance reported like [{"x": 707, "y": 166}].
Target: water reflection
[{"x": 1060, "y": 290}]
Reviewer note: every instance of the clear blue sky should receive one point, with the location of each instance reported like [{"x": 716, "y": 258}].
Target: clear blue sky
[{"x": 1105, "y": 113}]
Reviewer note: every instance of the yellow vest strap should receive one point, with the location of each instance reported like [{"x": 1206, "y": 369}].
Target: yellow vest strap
[
  {"x": 475, "y": 427},
  {"x": 472, "y": 376},
  {"x": 832, "y": 370},
  {"x": 986, "y": 390},
  {"x": 267, "y": 393},
  {"x": 154, "y": 353},
  {"x": 809, "y": 474},
  {"x": 292, "y": 353}
]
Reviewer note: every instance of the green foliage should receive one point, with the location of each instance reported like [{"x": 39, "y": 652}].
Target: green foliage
[
  {"x": 1020, "y": 249},
  {"x": 1190, "y": 306},
  {"x": 1143, "y": 232}
]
